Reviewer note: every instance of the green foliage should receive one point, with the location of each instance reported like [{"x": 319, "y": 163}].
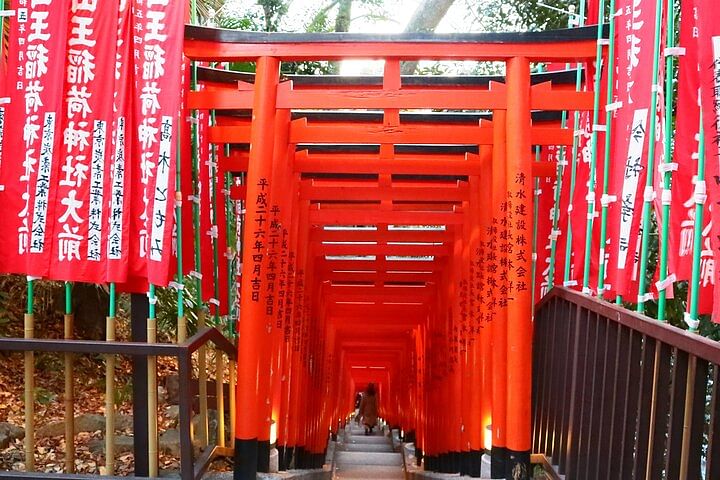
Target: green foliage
[{"x": 166, "y": 310}]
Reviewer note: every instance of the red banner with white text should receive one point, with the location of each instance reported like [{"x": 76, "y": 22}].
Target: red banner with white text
[
  {"x": 122, "y": 169},
  {"x": 634, "y": 60},
  {"x": 158, "y": 36},
  {"x": 77, "y": 227},
  {"x": 32, "y": 136}
]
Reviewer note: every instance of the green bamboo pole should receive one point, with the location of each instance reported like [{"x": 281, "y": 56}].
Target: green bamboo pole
[
  {"x": 647, "y": 203},
  {"x": 152, "y": 387},
  {"x": 604, "y": 200},
  {"x": 29, "y": 321},
  {"x": 213, "y": 214},
  {"x": 692, "y": 316},
  {"x": 181, "y": 320},
  {"x": 110, "y": 387},
  {"x": 536, "y": 206},
  {"x": 229, "y": 256},
  {"x": 573, "y": 162},
  {"x": 562, "y": 160},
  {"x": 69, "y": 398},
  {"x": 667, "y": 153},
  {"x": 593, "y": 151}
]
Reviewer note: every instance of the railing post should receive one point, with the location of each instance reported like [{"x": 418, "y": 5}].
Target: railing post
[
  {"x": 252, "y": 309},
  {"x": 519, "y": 310},
  {"x": 187, "y": 470},
  {"x": 139, "y": 307}
]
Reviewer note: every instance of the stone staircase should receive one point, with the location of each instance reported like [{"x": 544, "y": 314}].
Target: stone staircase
[{"x": 359, "y": 456}]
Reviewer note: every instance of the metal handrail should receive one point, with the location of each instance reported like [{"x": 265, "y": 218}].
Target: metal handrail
[{"x": 189, "y": 470}]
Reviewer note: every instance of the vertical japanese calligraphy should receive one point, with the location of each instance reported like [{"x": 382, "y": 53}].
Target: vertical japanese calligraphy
[
  {"x": 157, "y": 50},
  {"x": 34, "y": 87},
  {"x": 634, "y": 61}
]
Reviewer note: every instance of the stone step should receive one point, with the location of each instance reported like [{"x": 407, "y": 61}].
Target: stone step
[
  {"x": 369, "y": 440},
  {"x": 368, "y": 447},
  {"x": 365, "y": 472},
  {"x": 368, "y": 458}
]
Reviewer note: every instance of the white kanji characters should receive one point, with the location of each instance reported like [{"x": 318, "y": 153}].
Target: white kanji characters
[
  {"x": 69, "y": 244},
  {"x": 147, "y": 167},
  {"x": 37, "y": 60},
  {"x": 687, "y": 229},
  {"x": 707, "y": 260},
  {"x": 76, "y": 137},
  {"x": 31, "y": 130},
  {"x": 149, "y": 99},
  {"x": 87, "y": 5},
  {"x": 72, "y": 205},
  {"x": 38, "y": 27},
  {"x": 154, "y": 64},
  {"x": 77, "y": 100},
  {"x": 75, "y": 171},
  {"x": 81, "y": 31},
  {"x": 29, "y": 164},
  {"x": 33, "y": 102},
  {"x": 81, "y": 66},
  {"x": 154, "y": 26},
  {"x": 147, "y": 133},
  {"x": 23, "y": 237}
]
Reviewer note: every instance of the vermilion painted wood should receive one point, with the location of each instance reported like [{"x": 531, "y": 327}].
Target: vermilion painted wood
[
  {"x": 318, "y": 234},
  {"x": 519, "y": 325},
  {"x": 374, "y": 99},
  {"x": 251, "y": 329},
  {"x": 566, "y": 52},
  {"x": 381, "y": 249},
  {"x": 365, "y": 217}
]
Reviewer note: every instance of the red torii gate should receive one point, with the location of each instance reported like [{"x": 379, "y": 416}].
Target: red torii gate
[{"x": 399, "y": 280}]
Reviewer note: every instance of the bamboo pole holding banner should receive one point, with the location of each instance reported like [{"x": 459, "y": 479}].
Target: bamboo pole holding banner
[
  {"x": 69, "y": 398},
  {"x": 110, "y": 387},
  {"x": 648, "y": 196},
  {"x": 596, "y": 127},
  {"x": 152, "y": 387},
  {"x": 700, "y": 196},
  {"x": 573, "y": 20},
  {"x": 29, "y": 333},
  {"x": 666, "y": 282},
  {"x": 609, "y": 109},
  {"x": 573, "y": 171},
  {"x": 536, "y": 207}
]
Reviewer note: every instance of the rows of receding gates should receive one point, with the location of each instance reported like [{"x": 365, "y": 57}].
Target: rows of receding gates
[{"x": 397, "y": 230}]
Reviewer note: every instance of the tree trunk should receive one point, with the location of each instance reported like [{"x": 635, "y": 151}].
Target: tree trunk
[
  {"x": 342, "y": 24},
  {"x": 425, "y": 19}
]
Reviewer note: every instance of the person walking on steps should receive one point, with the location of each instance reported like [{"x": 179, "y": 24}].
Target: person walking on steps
[{"x": 368, "y": 409}]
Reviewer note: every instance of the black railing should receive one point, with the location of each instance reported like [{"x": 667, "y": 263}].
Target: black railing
[
  {"x": 190, "y": 468},
  {"x": 618, "y": 395}
]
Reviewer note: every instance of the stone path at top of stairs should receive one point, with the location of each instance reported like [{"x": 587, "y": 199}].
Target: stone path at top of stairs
[{"x": 361, "y": 456}]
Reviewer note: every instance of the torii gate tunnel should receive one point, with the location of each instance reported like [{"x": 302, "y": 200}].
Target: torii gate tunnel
[{"x": 384, "y": 241}]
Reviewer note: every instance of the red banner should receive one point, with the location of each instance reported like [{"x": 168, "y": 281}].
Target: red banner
[
  {"x": 634, "y": 57},
  {"x": 546, "y": 203},
  {"x": 709, "y": 68},
  {"x": 35, "y": 87},
  {"x": 158, "y": 36},
  {"x": 579, "y": 212},
  {"x": 682, "y": 211},
  {"x": 80, "y": 194},
  {"x": 205, "y": 198},
  {"x": 122, "y": 170}
]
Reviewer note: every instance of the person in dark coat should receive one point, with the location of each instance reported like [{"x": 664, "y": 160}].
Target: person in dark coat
[{"x": 369, "y": 408}]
